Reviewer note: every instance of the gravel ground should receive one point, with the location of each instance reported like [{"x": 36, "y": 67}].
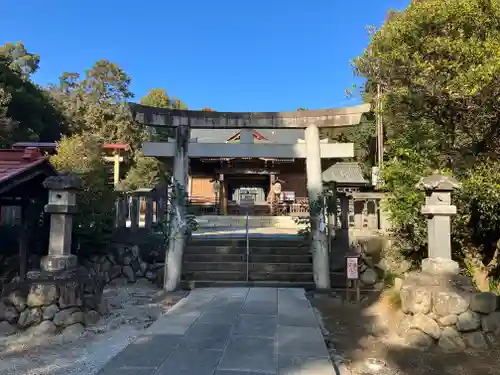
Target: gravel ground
[{"x": 132, "y": 309}]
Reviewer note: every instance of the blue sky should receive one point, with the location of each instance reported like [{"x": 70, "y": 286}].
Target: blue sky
[{"x": 259, "y": 55}]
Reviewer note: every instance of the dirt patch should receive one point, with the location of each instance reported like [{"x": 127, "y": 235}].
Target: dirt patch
[
  {"x": 133, "y": 307},
  {"x": 365, "y": 331}
]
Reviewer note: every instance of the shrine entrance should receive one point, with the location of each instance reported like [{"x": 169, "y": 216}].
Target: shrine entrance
[
  {"x": 254, "y": 188},
  {"x": 297, "y": 137}
]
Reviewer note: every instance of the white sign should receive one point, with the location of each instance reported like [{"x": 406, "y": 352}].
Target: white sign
[{"x": 352, "y": 268}]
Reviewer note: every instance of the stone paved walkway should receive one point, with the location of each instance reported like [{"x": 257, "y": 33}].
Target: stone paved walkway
[{"x": 230, "y": 331}]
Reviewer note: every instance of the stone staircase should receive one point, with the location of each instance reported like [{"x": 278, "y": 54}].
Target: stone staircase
[
  {"x": 274, "y": 261},
  {"x": 212, "y": 221}
]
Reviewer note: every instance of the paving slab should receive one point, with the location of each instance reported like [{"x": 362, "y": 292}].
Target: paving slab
[
  {"x": 190, "y": 362},
  {"x": 256, "y": 326},
  {"x": 250, "y": 354},
  {"x": 303, "y": 365},
  {"x": 230, "y": 331}
]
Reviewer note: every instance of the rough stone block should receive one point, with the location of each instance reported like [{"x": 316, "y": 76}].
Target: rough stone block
[
  {"x": 42, "y": 295},
  {"x": 418, "y": 339},
  {"x": 7, "y": 329},
  {"x": 491, "y": 323},
  {"x": 448, "y": 320},
  {"x": 450, "y": 303},
  {"x": 8, "y": 313},
  {"x": 48, "y": 312},
  {"x": 483, "y": 303},
  {"x": 71, "y": 295},
  {"x": 44, "y": 328},
  {"x": 468, "y": 321},
  {"x": 30, "y": 317},
  {"x": 475, "y": 340},
  {"x": 440, "y": 266},
  {"x": 65, "y": 317},
  {"x": 17, "y": 299},
  {"x": 416, "y": 299},
  {"x": 73, "y": 331},
  {"x": 426, "y": 324},
  {"x": 451, "y": 340}
]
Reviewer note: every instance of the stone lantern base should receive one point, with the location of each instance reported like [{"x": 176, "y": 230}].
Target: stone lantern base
[
  {"x": 440, "y": 266},
  {"x": 447, "y": 312},
  {"x": 54, "y": 263}
]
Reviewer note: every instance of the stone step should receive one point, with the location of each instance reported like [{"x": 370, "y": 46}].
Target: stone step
[
  {"x": 256, "y": 284},
  {"x": 282, "y": 276},
  {"x": 191, "y": 257},
  {"x": 190, "y": 249},
  {"x": 253, "y": 242},
  {"x": 281, "y": 267},
  {"x": 253, "y": 276},
  {"x": 253, "y": 267},
  {"x": 215, "y": 275},
  {"x": 207, "y": 278},
  {"x": 215, "y": 266},
  {"x": 280, "y": 258},
  {"x": 241, "y": 221},
  {"x": 254, "y": 258}
]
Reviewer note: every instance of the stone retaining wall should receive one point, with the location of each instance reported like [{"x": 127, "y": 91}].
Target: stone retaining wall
[
  {"x": 66, "y": 306},
  {"x": 127, "y": 262},
  {"x": 49, "y": 308},
  {"x": 449, "y": 313}
]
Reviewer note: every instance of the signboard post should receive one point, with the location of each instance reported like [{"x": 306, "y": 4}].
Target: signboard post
[
  {"x": 352, "y": 276},
  {"x": 246, "y": 202}
]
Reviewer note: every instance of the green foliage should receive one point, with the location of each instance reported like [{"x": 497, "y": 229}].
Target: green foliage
[
  {"x": 147, "y": 172},
  {"x": 364, "y": 138},
  {"x": 96, "y": 104},
  {"x": 177, "y": 197},
  {"x": 321, "y": 207},
  {"x": 27, "y": 113},
  {"x": 159, "y": 98},
  {"x": 437, "y": 63},
  {"x": 477, "y": 224},
  {"x": 82, "y": 155}
]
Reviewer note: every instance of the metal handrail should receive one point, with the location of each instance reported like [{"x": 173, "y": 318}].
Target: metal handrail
[{"x": 247, "y": 244}]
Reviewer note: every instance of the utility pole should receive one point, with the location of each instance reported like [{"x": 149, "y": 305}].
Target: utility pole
[{"x": 380, "y": 130}]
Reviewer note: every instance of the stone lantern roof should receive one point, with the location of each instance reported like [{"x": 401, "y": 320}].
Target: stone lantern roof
[{"x": 438, "y": 182}]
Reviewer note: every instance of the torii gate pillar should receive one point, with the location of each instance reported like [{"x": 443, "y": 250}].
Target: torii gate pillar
[{"x": 319, "y": 246}]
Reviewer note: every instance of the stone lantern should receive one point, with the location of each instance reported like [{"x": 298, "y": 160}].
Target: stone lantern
[
  {"x": 61, "y": 207},
  {"x": 438, "y": 209}
]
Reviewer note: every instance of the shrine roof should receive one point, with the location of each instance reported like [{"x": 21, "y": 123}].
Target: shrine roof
[
  {"x": 285, "y": 136},
  {"x": 53, "y": 145},
  {"x": 347, "y": 173},
  {"x": 21, "y": 164}
]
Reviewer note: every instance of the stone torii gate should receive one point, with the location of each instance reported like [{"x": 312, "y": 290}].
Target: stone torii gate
[{"x": 312, "y": 150}]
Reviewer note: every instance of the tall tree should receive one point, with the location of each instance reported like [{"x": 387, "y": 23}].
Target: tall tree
[
  {"x": 97, "y": 104},
  {"x": 33, "y": 114},
  {"x": 159, "y": 98},
  {"x": 437, "y": 64},
  {"x": 148, "y": 171}
]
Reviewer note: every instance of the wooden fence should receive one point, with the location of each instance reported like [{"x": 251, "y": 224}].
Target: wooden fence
[{"x": 141, "y": 208}]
